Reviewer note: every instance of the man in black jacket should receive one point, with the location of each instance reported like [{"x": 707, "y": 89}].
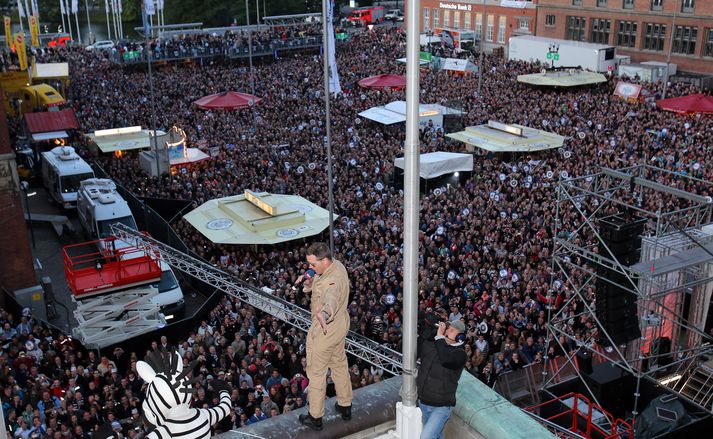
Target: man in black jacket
[{"x": 443, "y": 357}]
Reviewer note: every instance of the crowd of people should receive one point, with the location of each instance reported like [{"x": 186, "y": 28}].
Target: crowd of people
[{"x": 485, "y": 254}]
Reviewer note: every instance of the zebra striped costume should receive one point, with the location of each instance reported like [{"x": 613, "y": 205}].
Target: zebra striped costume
[{"x": 168, "y": 395}]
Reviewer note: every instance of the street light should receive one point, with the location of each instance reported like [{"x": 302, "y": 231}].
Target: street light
[
  {"x": 553, "y": 53},
  {"x": 25, "y": 186}
]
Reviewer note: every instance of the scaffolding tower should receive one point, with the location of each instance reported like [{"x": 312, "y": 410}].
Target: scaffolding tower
[{"x": 672, "y": 282}]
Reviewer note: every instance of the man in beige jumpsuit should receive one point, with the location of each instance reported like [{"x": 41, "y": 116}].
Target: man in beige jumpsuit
[{"x": 327, "y": 335}]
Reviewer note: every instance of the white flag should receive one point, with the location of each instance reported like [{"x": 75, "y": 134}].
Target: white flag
[
  {"x": 106, "y": 6},
  {"x": 150, "y": 8},
  {"x": 75, "y": 6},
  {"x": 35, "y": 9},
  {"x": 121, "y": 9},
  {"x": 334, "y": 86},
  {"x": 21, "y": 10}
]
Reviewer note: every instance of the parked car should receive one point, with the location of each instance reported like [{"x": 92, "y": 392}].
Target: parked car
[
  {"x": 394, "y": 15},
  {"x": 101, "y": 45}
]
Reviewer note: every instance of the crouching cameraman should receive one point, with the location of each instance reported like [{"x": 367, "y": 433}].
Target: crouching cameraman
[{"x": 440, "y": 349}]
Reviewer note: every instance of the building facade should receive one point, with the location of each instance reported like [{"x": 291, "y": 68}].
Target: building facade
[
  {"x": 644, "y": 29},
  {"x": 493, "y": 20}
]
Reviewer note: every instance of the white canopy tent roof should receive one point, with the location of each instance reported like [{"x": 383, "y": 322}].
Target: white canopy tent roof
[
  {"x": 50, "y": 135},
  {"x": 459, "y": 65},
  {"x": 395, "y": 112},
  {"x": 435, "y": 164}
]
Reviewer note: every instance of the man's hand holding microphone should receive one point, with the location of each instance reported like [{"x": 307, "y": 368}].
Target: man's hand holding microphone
[{"x": 305, "y": 278}]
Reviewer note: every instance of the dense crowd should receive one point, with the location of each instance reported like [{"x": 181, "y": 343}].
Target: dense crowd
[{"x": 486, "y": 244}]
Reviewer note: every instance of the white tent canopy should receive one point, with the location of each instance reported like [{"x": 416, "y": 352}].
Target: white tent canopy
[
  {"x": 435, "y": 164},
  {"x": 459, "y": 65},
  {"x": 395, "y": 112}
]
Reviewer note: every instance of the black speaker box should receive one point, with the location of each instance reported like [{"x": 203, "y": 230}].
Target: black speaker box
[{"x": 613, "y": 387}]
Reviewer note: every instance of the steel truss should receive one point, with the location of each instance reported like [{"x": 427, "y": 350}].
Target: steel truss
[
  {"x": 580, "y": 253},
  {"x": 361, "y": 347}
]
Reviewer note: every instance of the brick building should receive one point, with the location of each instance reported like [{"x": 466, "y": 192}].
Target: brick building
[
  {"x": 641, "y": 29},
  {"x": 16, "y": 268},
  {"x": 495, "y": 20}
]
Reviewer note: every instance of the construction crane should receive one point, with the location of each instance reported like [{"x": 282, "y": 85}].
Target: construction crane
[{"x": 361, "y": 347}]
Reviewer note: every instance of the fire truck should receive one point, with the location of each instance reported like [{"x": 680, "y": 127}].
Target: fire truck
[{"x": 367, "y": 15}]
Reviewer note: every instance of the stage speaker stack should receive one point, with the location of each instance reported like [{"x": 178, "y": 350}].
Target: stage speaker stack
[{"x": 616, "y": 308}]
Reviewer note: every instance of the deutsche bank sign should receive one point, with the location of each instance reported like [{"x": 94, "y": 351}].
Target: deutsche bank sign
[{"x": 455, "y": 6}]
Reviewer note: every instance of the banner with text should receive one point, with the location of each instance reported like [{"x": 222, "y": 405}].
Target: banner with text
[
  {"x": 21, "y": 50},
  {"x": 34, "y": 31},
  {"x": 8, "y": 31}
]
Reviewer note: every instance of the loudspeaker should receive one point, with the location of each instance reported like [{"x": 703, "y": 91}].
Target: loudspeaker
[
  {"x": 613, "y": 387},
  {"x": 616, "y": 308},
  {"x": 584, "y": 361}
]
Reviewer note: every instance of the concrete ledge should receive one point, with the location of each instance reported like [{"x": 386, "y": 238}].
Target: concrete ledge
[
  {"x": 373, "y": 413},
  {"x": 481, "y": 413}
]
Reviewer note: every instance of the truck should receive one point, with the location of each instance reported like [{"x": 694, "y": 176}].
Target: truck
[
  {"x": 367, "y": 15},
  {"x": 41, "y": 97},
  {"x": 644, "y": 72},
  {"x": 567, "y": 54},
  {"x": 99, "y": 206},
  {"x": 62, "y": 172}
]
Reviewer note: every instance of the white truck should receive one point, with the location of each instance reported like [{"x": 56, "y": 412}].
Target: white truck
[
  {"x": 99, "y": 206},
  {"x": 589, "y": 56},
  {"x": 62, "y": 172}
]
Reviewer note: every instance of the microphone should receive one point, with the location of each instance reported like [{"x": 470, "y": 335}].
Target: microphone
[{"x": 309, "y": 274}]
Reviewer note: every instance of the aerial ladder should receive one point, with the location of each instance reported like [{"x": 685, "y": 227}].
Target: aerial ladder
[{"x": 361, "y": 347}]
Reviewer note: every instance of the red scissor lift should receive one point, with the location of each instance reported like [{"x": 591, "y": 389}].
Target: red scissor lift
[
  {"x": 577, "y": 414},
  {"x": 117, "y": 266}
]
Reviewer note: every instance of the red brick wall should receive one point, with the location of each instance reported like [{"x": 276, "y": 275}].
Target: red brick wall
[
  {"x": 702, "y": 18},
  {"x": 16, "y": 269}
]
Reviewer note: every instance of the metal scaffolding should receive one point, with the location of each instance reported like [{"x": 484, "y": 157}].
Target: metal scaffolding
[
  {"x": 676, "y": 261},
  {"x": 361, "y": 347}
]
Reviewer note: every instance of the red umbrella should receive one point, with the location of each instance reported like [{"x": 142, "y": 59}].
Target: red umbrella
[
  {"x": 384, "y": 81},
  {"x": 227, "y": 100},
  {"x": 697, "y": 103}
]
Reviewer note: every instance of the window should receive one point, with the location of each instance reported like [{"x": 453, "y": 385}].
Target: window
[
  {"x": 628, "y": 4},
  {"x": 687, "y": 6},
  {"x": 478, "y": 26},
  {"x": 456, "y": 20},
  {"x": 491, "y": 25},
  {"x": 655, "y": 36},
  {"x": 684, "y": 40},
  {"x": 502, "y": 28},
  {"x": 550, "y": 20},
  {"x": 467, "y": 21},
  {"x": 436, "y": 20},
  {"x": 626, "y": 36},
  {"x": 524, "y": 24},
  {"x": 447, "y": 18},
  {"x": 601, "y": 3},
  {"x": 656, "y": 5},
  {"x": 600, "y": 30},
  {"x": 708, "y": 49},
  {"x": 575, "y": 28},
  {"x": 426, "y": 18},
  {"x": 576, "y": 2}
]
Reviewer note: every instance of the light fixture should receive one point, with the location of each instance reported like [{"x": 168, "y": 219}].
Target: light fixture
[
  {"x": 457, "y": 174},
  {"x": 669, "y": 380}
]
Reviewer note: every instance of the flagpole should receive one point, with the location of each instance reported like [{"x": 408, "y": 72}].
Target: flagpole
[
  {"x": 27, "y": 15},
  {"x": 328, "y": 122},
  {"x": 121, "y": 23},
  {"x": 108, "y": 26},
  {"x": 19, "y": 15},
  {"x": 115, "y": 16},
  {"x": 89, "y": 22},
  {"x": 76, "y": 18},
  {"x": 61, "y": 13}
]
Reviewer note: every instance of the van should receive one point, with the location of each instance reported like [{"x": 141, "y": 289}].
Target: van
[
  {"x": 62, "y": 172},
  {"x": 99, "y": 206}
]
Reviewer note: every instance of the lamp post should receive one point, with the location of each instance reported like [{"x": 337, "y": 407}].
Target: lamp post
[
  {"x": 25, "y": 186},
  {"x": 670, "y": 46},
  {"x": 553, "y": 53},
  {"x": 480, "y": 56}
]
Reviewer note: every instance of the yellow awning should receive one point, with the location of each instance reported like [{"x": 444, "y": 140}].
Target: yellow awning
[
  {"x": 258, "y": 218},
  {"x": 562, "y": 78},
  {"x": 490, "y": 138}
]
